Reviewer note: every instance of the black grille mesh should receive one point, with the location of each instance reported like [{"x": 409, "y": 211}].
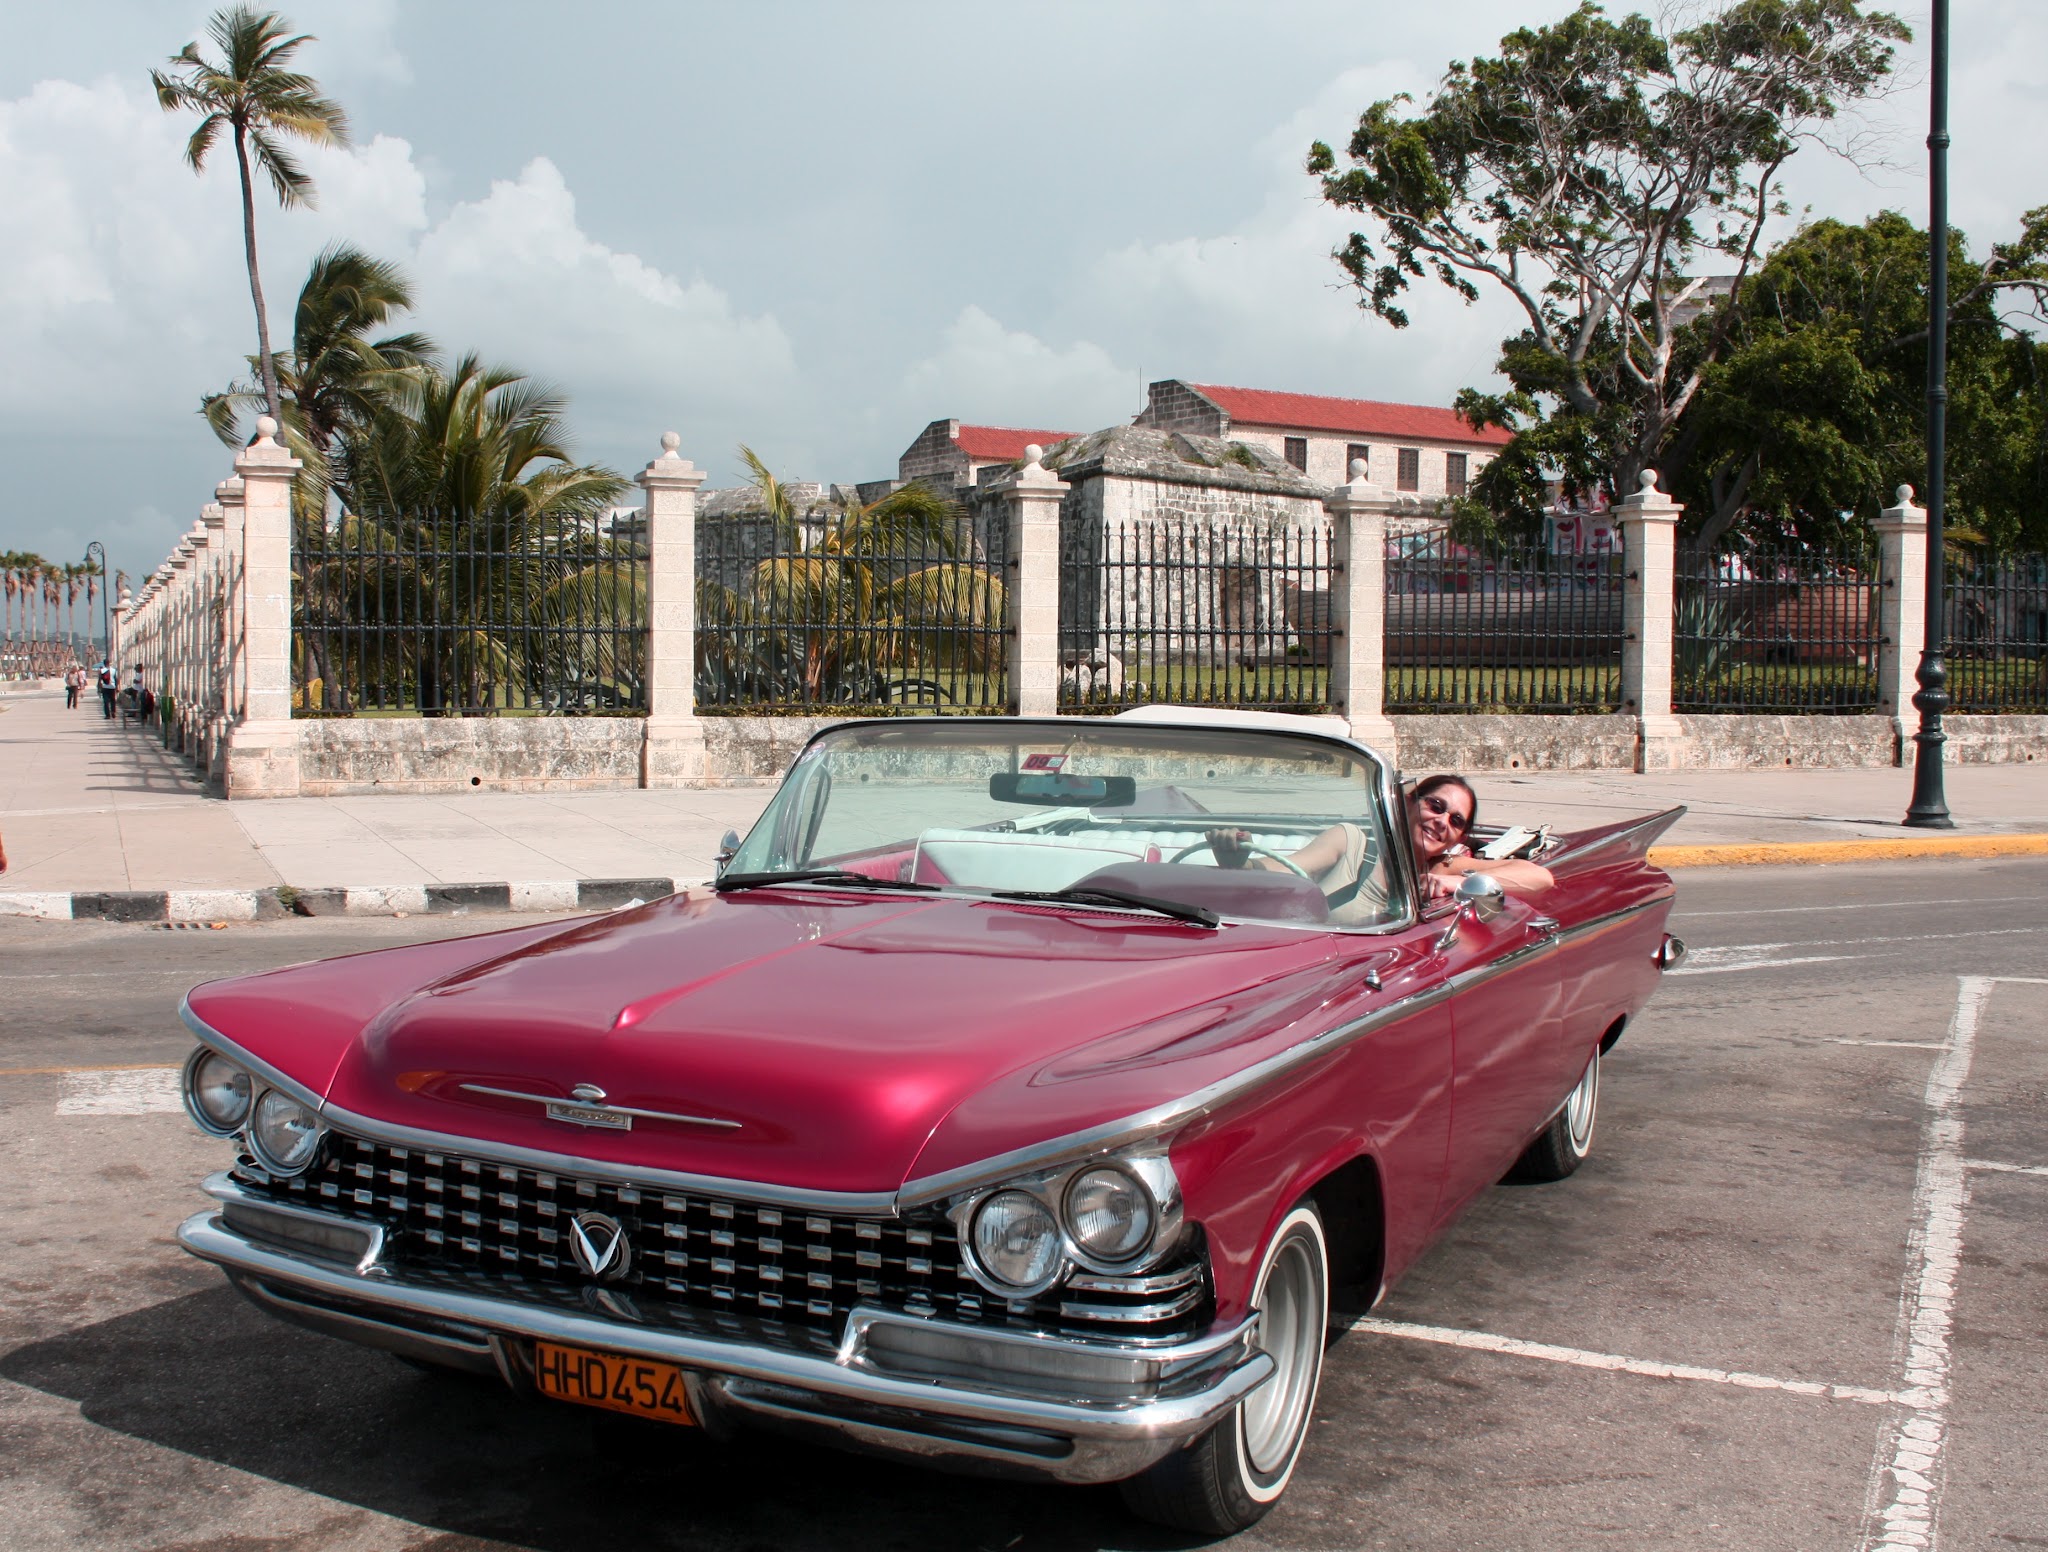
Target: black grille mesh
[{"x": 795, "y": 1271}]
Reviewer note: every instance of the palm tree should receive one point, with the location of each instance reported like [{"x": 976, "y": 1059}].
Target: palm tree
[
  {"x": 251, "y": 94},
  {"x": 337, "y": 377},
  {"x": 464, "y": 518},
  {"x": 884, "y": 590}
]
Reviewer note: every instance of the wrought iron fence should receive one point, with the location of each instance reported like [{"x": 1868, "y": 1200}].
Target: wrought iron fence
[
  {"x": 1500, "y": 627},
  {"x": 1776, "y": 630},
  {"x": 442, "y": 614},
  {"x": 1997, "y": 629},
  {"x": 1194, "y": 611},
  {"x": 851, "y": 614}
]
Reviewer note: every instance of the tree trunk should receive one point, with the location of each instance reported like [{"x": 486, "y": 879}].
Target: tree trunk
[{"x": 270, "y": 394}]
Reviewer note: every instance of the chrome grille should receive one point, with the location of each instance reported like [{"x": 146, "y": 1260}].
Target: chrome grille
[{"x": 799, "y": 1272}]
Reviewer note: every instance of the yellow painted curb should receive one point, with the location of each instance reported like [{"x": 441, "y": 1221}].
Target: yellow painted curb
[{"x": 1905, "y": 848}]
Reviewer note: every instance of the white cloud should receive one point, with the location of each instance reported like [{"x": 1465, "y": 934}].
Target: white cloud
[{"x": 997, "y": 376}]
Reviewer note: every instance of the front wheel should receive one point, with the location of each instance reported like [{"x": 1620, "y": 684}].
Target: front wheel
[
  {"x": 1562, "y": 1146},
  {"x": 1228, "y": 1478}
]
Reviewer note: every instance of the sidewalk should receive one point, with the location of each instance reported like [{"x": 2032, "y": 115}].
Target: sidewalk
[{"x": 94, "y": 810}]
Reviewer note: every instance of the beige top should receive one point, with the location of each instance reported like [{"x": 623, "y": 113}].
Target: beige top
[{"x": 1357, "y": 898}]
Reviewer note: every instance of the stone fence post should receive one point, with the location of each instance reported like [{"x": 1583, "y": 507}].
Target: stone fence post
[
  {"x": 1030, "y": 500},
  {"x": 1901, "y": 614},
  {"x": 263, "y": 746},
  {"x": 234, "y": 624},
  {"x": 1649, "y": 542},
  {"x": 673, "y": 752},
  {"x": 1358, "y": 608}
]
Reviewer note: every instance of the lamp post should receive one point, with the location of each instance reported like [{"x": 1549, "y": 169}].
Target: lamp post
[
  {"x": 1929, "y": 808},
  {"x": 106, "y": 602}
]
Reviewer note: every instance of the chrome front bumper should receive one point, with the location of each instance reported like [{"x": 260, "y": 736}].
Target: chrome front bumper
[{"x": 996, "y": 1402}]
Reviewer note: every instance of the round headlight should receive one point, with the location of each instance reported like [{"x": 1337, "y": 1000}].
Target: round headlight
[
  {"x": 1109, "y": 1214},
  {"x": 216, "y": 1092},
  {"x": 284, "y": 1133},
  {"x": 1015, "y": 1239}
]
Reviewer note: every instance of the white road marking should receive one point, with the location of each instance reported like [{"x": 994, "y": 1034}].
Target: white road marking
[
  {"x": 133, "y": 1091},
  {"x": 1578, "y": 1357},
  {"x": 1909, "y": 1452},
  {"x": 2006, "y": 1169},
  {"x": 1861, "y": 905},
  {"x": 1689, "y": 968},
  {"x": 1902, "y": 1045}
]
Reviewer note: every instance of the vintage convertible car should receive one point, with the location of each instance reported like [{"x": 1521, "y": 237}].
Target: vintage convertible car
[{"x": 975, "y": 1114}]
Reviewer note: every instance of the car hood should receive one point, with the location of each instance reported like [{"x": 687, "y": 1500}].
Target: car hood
[{"x": 796, "y": 1038}]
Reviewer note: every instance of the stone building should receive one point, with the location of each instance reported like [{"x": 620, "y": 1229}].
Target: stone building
[
  {"x": 1416, "y": 450},
  {"x": 948, "y": 455}
]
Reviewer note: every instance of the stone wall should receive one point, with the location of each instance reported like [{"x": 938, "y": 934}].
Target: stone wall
[
  {"x": 454, "y": 754},
  {"x": 1174, "y": 406},
  {"x": 1515, "y": 743}
]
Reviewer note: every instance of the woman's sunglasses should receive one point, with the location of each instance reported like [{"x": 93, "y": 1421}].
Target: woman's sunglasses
[{"x": 1444, "y": 811}]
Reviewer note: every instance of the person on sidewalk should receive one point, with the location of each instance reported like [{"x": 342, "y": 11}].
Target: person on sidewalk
[
  {"x": 110, "y": 682},
  {"x": 74, "y": 681}
]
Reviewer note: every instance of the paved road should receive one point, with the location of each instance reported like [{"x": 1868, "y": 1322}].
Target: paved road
[{"x": 1820, "y": 1182}]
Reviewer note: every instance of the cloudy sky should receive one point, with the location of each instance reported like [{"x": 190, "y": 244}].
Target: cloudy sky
[{"x": 806, "y": 225}]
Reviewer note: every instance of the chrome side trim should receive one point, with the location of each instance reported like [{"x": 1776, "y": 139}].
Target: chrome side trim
[
  {"x": 1175, "y": 1113},
  {"x": 1160, "y": 1282},
  {"x": 576, "y": 1104},
  {"x": 1130, "y": 1314}
]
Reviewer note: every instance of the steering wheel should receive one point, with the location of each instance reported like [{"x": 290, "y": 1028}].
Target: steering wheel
[{"x": 1251, "y": 849}]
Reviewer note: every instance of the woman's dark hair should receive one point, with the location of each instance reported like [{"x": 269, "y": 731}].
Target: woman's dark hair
[{"x": 1430, "y": 784}]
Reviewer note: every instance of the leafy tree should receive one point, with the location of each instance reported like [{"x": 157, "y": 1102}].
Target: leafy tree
[
  {"x": 1586, "y": 172},
  {"x": 337, "y": 377},
  {"x": 839, "y": 616},
  {"x": 1817, "y": 408},
  {"x": 461, "y": 487},
  {"x": 251, "y": 93}
]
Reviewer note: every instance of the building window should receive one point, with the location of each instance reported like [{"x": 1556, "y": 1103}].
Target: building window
[
  {"x": 1408, "y": 468},
  {"x": 1454, "y": 473},
  {"x": 1297, "y": 453},
  {"x": 1357, "y": 452}
]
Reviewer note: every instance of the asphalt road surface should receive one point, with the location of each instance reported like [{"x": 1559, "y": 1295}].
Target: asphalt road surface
[{"x": 1798, "y": 1298}]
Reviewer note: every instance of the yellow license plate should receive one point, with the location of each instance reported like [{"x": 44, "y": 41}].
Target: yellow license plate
[{"x": 645, "y": 1387}]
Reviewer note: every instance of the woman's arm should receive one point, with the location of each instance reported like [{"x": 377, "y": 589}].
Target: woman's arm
[{"x": 1524, "y": 880}]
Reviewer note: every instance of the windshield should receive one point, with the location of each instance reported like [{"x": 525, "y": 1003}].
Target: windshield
[{"x": 1248, "y": 823}]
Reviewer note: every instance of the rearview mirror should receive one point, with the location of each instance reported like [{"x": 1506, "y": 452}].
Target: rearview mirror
[{"x": 1056, "y": 789}]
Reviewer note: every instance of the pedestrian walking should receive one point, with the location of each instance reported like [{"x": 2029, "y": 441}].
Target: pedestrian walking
[
  {"x": 74, "y": 681},
  {"x": 110, "y": 683},
  {"x": 131, "y": 698}
]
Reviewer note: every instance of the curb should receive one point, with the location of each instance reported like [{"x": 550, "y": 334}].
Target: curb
[
  {"x": 1917, "y": 848},
  {"x": 150, "y": 906}
]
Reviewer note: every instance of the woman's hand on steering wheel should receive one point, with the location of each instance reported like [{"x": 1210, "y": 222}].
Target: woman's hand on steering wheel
[{"x": 1233, "y": 849}]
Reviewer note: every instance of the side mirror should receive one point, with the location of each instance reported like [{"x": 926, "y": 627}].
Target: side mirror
[
  {"x": 1479, "y": 898},
  {"x": 727, "y": 845}
]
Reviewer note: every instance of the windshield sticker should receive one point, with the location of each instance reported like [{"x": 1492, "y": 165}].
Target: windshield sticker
[{"x": 1044, "y": 762}]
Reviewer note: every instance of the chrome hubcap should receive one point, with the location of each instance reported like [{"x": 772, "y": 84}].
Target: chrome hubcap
[
  {"x": 1291, "y": 1329},
  {"x": 1578, "y": 1110}
]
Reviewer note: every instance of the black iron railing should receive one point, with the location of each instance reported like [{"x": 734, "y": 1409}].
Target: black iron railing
[
  {"x": 1775, "y": 630},
  {"x": 445, "y": 614},
  {"x": 1997, "y": 614},
  {"x": 1194, "y": 611},
  {"x": 1500, "y": 627},
  {"x": 841, "y": 614}
]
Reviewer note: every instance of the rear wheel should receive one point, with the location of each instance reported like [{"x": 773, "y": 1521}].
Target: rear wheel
[
  {"x": 1228, "y": 1478},
  {"x": 1562, "y": 1146}
]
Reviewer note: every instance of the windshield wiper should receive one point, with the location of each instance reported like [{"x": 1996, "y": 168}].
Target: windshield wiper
[
  {"x": 1094, "y": 894},
  {"x": 844, "y": 876}
]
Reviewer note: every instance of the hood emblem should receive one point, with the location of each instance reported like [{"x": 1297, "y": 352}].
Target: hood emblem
[
  {"x": 599, "y": 1244},
  {"x": 586, "y": 1107}
]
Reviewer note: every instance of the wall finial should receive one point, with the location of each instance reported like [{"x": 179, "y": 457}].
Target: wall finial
[
  {"x": 1032, "y": 453},
  {"x": 266, "y": 428},
  {"x": 670, "y": 441}
]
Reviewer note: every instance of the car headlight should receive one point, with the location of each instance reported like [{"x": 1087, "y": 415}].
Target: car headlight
[
  {"x": 216, "y": 1093},
  {"x": 283, "y": 1133},
  {"x": 1016, "y": 1240},
  {"x": 1109, "y": 1214}
]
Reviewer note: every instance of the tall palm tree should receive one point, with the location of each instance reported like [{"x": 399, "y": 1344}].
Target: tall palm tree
[
  {"x": 250, "y": 93},
  {"x": 336, "y": 377},
  {"x": 883, "y": 589},
  {"x": 465, "y": 517}
]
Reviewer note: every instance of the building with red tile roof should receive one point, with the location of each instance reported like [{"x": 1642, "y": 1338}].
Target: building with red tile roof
[
  {"x": 948, "y": 454},
  {"x": 1414, "y": 449}
]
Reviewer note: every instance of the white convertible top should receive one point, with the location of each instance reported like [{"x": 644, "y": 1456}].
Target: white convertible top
[{"x": 1217, "y": 716}]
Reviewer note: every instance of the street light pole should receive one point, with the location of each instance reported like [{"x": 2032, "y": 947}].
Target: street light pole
[
  {"x": 1929, "y": 809},
  {"x": 106, "y": 603}
]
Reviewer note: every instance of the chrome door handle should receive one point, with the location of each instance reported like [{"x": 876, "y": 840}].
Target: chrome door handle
[{"x": 1543, "y": 926}]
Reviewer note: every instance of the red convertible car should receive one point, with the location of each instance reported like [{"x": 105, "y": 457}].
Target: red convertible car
[{"x": 979, "y": 1112}]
